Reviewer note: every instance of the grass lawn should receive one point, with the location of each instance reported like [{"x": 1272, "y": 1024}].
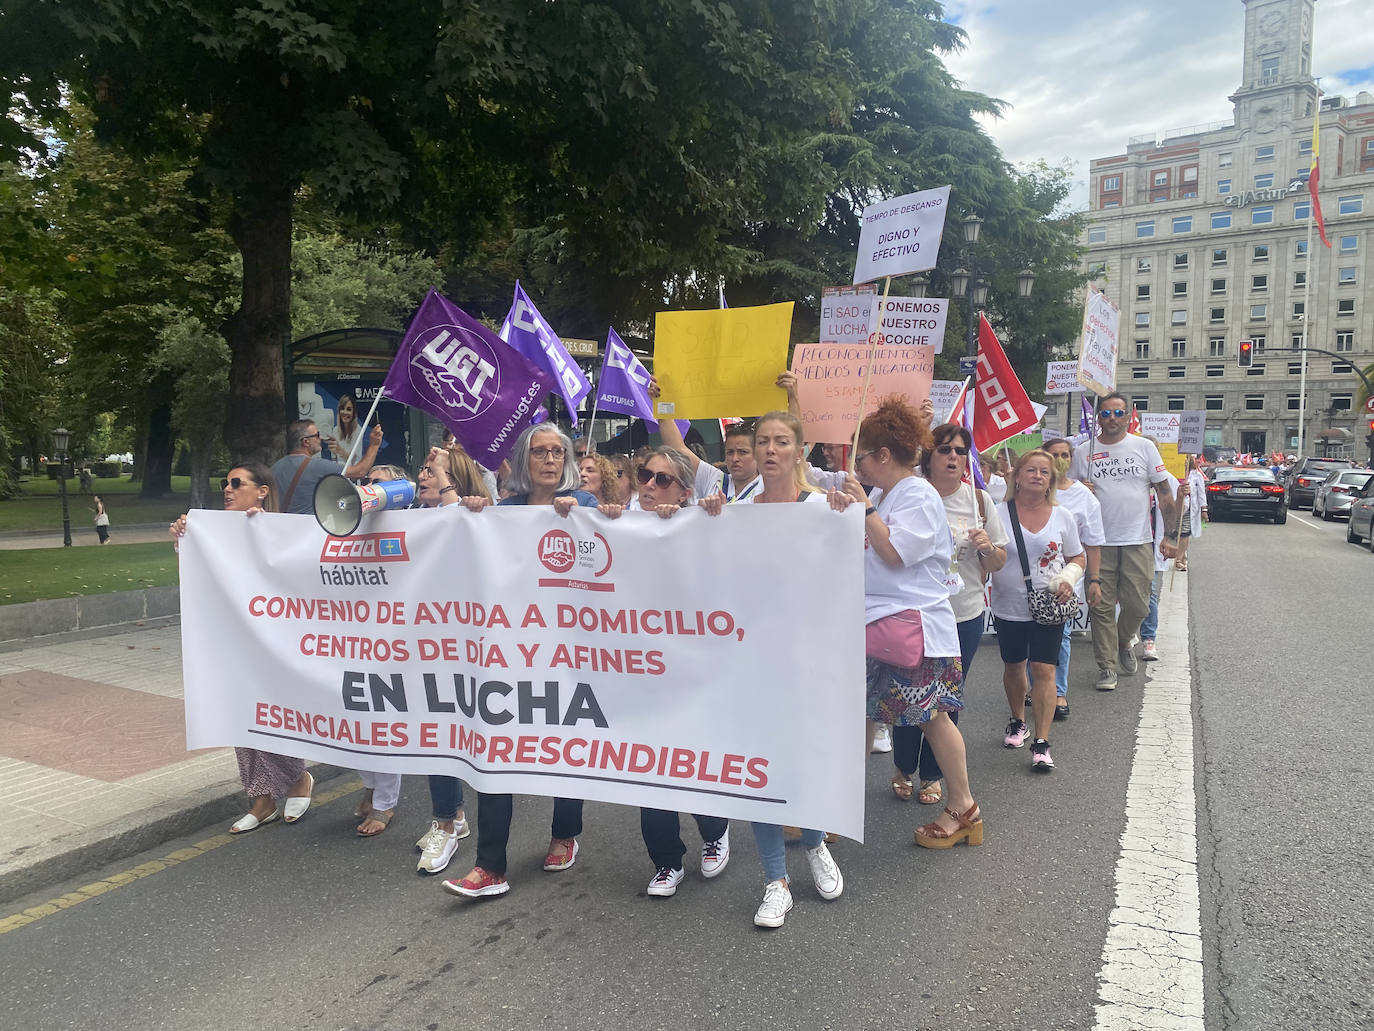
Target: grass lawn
[
  {"x": 65, "y": 572},
  {"x": 39, "y": 507}
]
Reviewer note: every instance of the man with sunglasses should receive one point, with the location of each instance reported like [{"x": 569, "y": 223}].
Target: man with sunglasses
[
  {"x": 1122, "y": 470},
  {"x": 300, "y": 469}
]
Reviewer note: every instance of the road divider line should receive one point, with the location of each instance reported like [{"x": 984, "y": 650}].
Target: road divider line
[
  {"x": 182, "y": 855},
  {"x": 1151, "y": 974},
  {"x": 1304, "y": 522}
]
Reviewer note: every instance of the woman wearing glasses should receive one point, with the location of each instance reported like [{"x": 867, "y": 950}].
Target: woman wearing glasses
[
  {"x": 543, "y": 472},
  {"x": 266, "y": 777},
  {"x": 980, "y": 548}
]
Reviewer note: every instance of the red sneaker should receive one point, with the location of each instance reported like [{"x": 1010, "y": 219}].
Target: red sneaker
[
  {"x": 478, "y": 884},
  {"x": 562, "y": 854}
]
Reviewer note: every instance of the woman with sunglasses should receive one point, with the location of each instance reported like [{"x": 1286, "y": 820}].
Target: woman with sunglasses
[
  {"x": 1053, "y": 553},
  {"x": 266, "y": 777},
  {"x": 599, "y": 479},
  {"x": 913, "y": 668},
  {"x": 543, "y": 472},
  {"x": 666, "y": 486},
  {"x": 980, "y": 547}
]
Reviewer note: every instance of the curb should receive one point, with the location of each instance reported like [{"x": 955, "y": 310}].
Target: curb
[
  {"x": 39, "y": 866},
  {"x": 37, "y": 619}
]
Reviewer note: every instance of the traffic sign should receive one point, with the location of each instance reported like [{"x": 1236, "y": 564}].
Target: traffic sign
[
  {"x": 968, "y": 365},
  {"x": 1369, "y": 403}
]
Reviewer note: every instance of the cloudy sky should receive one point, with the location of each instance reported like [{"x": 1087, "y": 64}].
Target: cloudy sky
[{"x": 1079, "y": 89}]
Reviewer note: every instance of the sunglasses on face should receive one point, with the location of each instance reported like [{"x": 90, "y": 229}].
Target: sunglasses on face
[
  {"x": 945, "y": 449},
  {"x": 1111, "y": 413},
  {"x": 236, "y": 483},
  {"x": 662, "y": 480},
  {"x": 540, "y": 454}
]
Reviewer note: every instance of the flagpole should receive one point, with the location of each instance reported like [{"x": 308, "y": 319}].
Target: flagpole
[
  {"x": 873, "y": 339},
  {"x": 358, "y": 437},
  {"x": 1306, "y": 321}
]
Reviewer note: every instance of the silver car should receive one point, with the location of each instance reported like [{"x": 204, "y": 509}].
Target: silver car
[{"x": 1335, "y": 493}]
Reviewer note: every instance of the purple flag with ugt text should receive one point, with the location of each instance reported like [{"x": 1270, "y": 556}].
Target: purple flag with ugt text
[
  {"x": 624, "y": 384},
  {"x": 530, "y": 333},
  {"x": 463, "y": 374}
]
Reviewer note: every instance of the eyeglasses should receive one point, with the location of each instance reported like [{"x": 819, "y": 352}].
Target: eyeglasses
[
  {"x": 540, "y": 454},
  {"x": 1111, "y": 413},
  {"x": 945, "y": 449},
  {"x": 236, "y": 483},
  {"x": 662, "y": 480},
  {"x": 864, "y": 454},
  {"x": 311, "y": 436}
]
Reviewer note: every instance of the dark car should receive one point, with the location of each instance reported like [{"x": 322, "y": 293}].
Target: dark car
[
  {"x": 1336, "y": 492},
  {"x": 1245, "y": 491},
  {"x": 1307, "y": 476},
  {"x": 1361, "y": 526}
]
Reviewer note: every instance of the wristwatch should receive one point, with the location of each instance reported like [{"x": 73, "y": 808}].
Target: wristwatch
[{"x": 1094, "y": 579}]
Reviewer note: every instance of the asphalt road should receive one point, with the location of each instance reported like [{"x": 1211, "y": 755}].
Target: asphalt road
[{"x": 308, "y": 927}]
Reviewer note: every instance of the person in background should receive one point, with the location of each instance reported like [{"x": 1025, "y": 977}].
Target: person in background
[
  {"x": 1192, "y": 494},
  {"x": 1149, "y": 652},
  {"x": 599, "y": 479},
  {"x": 102, "y": 520},
  {"x": 996, "y": 485},
  {"x": 346, "y": 429},
  {"x": 624, "y": 478},
  {"x": 301, "y": 469}
]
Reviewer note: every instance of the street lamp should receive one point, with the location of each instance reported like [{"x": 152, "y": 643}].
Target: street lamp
[
  {"x": 920, "y": 283},
  {"x": 967, "y": 282},
  {"x": 60, "y": 439}
]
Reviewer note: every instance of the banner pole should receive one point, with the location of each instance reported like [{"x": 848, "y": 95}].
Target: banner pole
[
  {"x": 873, "y": 340},
  {"x": 353, "y": 451},
  {"x": 591, "y": 425}
]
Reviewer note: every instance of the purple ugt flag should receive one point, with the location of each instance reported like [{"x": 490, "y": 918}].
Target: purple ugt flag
[
  {"x": 530, "y": 333},
  {"x": 463, "y": 374},
  {"x": 624, "y": 384}
]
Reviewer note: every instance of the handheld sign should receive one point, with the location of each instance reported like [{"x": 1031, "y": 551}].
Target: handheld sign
[
  {"x": 901, "y": 235},
  {"x": 1098, "y": 351},
  {"x": 1061, "y": 378},
  {"x": 721, "y": 361}
]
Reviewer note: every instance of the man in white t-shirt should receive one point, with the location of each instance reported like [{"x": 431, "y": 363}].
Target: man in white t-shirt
[{"x": 1122, "y": 470}]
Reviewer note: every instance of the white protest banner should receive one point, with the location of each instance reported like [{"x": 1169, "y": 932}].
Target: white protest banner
[
  {"x": 901, "y": 235},
  {"x": 1061, "y": 378},
  {"x": 943, "y": 394},
  {"x": 630, "y": 661},
  {"x": 1192, "y": 427},
  {"x": 846, "y": 313},
  {"x": 1163, "y": 426},
  {"x": 830, "y": 384},
  {"x": 1098, "y": 349},
  {"x": 846, "y": 318}
]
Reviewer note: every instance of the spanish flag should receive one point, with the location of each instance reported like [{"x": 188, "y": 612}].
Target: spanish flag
[{"x": 1314, "y": 176}]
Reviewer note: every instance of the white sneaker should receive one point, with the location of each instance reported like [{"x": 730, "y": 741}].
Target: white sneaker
[
  {"x": 882, "y": 739},
  {"x": 1148, "y": 652},
  {"x": 824, "y": 872},
  {"x": 714, "y": 855},
  {"x": 776, "y": 904},
  {"x": 437, "y": 848},
  {"x": 665, "y": 882},
  {"x": 460, "y": 828}
]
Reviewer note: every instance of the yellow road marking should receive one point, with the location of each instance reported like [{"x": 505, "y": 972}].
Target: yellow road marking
[{"x": 182, "y": 855}]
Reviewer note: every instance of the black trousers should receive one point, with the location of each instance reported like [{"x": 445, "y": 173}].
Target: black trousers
[
  {"x": 493, "y": 826},
  {"x": 663, "y": 838}
]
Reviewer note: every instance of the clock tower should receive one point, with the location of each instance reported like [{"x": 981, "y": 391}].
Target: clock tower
[{"x": 1277, "y": 93}]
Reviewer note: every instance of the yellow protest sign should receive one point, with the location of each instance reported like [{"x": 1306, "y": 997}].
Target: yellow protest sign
[
  {"x": 721, "y": 362},
  {"x": 1173, "y": 461}
]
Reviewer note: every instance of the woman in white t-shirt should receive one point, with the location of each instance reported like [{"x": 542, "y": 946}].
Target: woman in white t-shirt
[
  {"x": 980, "y": 547},
  {"x": 1054, "y": 556},
  {"x": 914, "y": 670}
]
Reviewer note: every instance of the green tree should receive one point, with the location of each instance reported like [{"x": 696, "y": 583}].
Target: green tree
[{"x": 33, "y": 345}]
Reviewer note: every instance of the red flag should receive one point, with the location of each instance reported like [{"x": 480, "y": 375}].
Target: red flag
[
  {"x": 1001, "y": 407},
  {"x": 1315, "y": 175},
  {"x": 1134, "y": 425}
]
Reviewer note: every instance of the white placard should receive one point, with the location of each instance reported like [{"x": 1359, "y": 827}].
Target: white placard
[
  {"x": 626, "y": 661},
  {"x": 846, "y": 319},
  {"x": 1163, "y": 426},
  {"x": 1098, "y": 349},
  {"x": 943, "y": 394},
  {"x": 901, "y": 235},
  {"x": 1061, "y": 378},
  {"x": 1192, "y": 428}
]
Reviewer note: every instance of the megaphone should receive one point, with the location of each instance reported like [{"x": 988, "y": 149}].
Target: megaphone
[{"x": 340, "y": 504}]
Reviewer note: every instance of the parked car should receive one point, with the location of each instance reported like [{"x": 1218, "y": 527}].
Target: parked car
[
  {"x": 1361, "y": 525},
  {"x": 1219, "y": 455},
  {"x": 1245, "y": 490},
  {"x": 1335, "y": 493},
  {"x": 1307, "y": 475}
]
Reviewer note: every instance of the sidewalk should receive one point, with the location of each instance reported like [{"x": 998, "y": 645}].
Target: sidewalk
[
  {"x": 82, "y": 536},
  {"x": 93, "y": 760}
]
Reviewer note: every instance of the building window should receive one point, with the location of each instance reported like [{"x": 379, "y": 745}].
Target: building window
[
  {"x": 1097, "y": 236},
  {"x": 1255, "y": 370},
  {"x": 1345, "y": 340},
  {"x": 1141, "y": 404},
  {"x": 1345, "y": 308},
  {"x": 1269, "y": 71},
  {"x": 1181, "y": 289},
  {"x": 1144, "y": 229},
  {"x": 1349, "y": 244},
  {"x": 1142, "y": 350},
  {"x": 1224, "y": 159},
  {"x": 1212, "y": 403},
  {"x": 1302, "y": 210},
  {"x": 1346, "y": 276},
  {"x": 1140, "y": 372},
  {"x": 1223, "y": 186},
  {"x": 1297, "y": 339},
  {"x": 1299, "y": 279},
  {"x": 1303, "y": 174},
  {"x": 1258, "y": 343},
  {"x": 1295, "y": 368},
  {"x": 1304, "y": 148},
  {"x": 1342, "y": 402},
  {"x": 1215, "y": 371},
  {"x": 1183, "y": 224},
  {"x": 1142, "y": 318},
  {"x": 1144, "y": 265},
  {"x": 1254, "y": 402},
  {"x": 1160, "y": 178},
  {"x": 1178, "y": 317},
  {"x": 1174, "y": 403},
  {"x": 1261, "y": 216},
  {"x": 1219, "y": 256},
  {"x": 1369, "y": 146},
  {"x": 1181, "y": 260},
  {"x": 1259, "y": 284},
  {"x": 1097, "y": 269},
  {"x": 1261, "y": 252},
  {"x": 1221, "y": 220},
  {"x": 1111, "y": 183},
  {"x": 1300, "y": 250},
  {"x": 1216, "y": 315},
  {"x": 1264, "y": 153},
  {"x": 1111, "y": 204},
  {"x": 1178, "y": 348},
  {"x": 1352, "y": 205},
  {"x": 1294, "y": 402},
  {"x": 1264, "y": 180},
  {"x": 1189, "y": 174},
  {"x": 1259, "y": 312},
  {"x": 1342, "y": 369},
  {"x": 1142, "y": 292},
  {"x": 1299, "y": 310},
  {"x": 1216, "y": 347},
  {"x": 1218, "y": 286}
]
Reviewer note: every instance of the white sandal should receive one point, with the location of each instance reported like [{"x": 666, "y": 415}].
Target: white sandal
[
  {"x": 298, "y": 805},
  {"x": 249, "y": 822}
]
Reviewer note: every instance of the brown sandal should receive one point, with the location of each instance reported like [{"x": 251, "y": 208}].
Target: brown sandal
[
  {"x": 382, "y": 816},
  {"x": 902, "y": 786},
  {"x": 970, "y": 829},
  {"x": 932, "y": 791}
]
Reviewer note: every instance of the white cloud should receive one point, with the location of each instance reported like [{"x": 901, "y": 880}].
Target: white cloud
[{"x": 1079, "y": 87}]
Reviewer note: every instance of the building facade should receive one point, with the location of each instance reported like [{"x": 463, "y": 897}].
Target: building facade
[{"x": 1201, "y": 238}]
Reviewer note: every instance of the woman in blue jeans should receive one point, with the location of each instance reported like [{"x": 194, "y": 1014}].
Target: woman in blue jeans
[{"x": 981, "y": 548}]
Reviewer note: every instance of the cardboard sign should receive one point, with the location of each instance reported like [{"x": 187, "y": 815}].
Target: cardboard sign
[
  {"x": 1192, "y": 428},
  {"x": 721, "y": 362},
  {"x": 847, "y": 318},
  {"x": 1099, "y": 345},
  {"x": 830, "y": 384},
  {"x": 943, "y": 394},
  {"x": 1163, "y": 426},
  {"x": 901, "y": 235},
  {"x": 1061, "y": 378}
]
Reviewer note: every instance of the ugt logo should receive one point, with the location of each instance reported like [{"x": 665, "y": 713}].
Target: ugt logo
[
  {"x": 558, "y": 551},
  {"x": 458, "y": 366}
]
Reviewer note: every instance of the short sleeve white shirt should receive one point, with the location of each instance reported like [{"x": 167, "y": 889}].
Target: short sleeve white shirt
[
  {"x": 1121, "y": 475},
  {"x": 1047, "y": 552},
  {"x": 961, "y": 509}
]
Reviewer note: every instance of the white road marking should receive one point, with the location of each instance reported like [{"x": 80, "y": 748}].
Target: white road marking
[
  {"x": 1151, "y": 975},
  {"x": 1306, "y": 523}
]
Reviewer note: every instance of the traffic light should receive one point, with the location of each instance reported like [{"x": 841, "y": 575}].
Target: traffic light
[{"x": 1245, "y": 354}]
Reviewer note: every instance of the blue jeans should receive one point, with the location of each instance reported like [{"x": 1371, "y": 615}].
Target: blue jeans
[
  {"x": 773, "y": 849},
  {"x": 1061, "y": 672},
  {"x": 1151, "y": 624},
  {"x": 445, "y": 797}
]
